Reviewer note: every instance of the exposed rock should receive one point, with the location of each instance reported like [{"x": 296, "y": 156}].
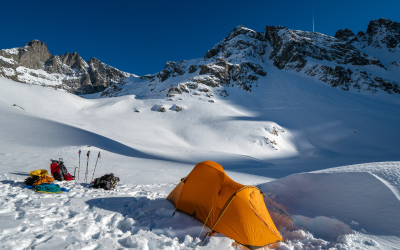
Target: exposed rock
[
  {"x": 33, "y": 55},
  {"x": 103, "y": 75},
  {"x": 241, "y": 44},
  {"x": 162, "y": 109},
  {"x": 178, "y": 89},
  {"x": 384, "y": 33},
  {"x": 209, "y": 80},
  {"x": 177, "y": 108},
  {"x": 344, "y": 34},
  {"x": 219, "y": 69},
  {"x": 204, "y": 90},
  {"x": 112, "y": 91},
  {"x": 192, "y": 85},
  {"x": 68, "y": 71},
  {"x": 388, "y": 86},
  {"x": 292, "y": 47},
  {"x": 222, "y": 93},
  {"x": 171, "y": 69},
  {"x": 193, "y": 68}
]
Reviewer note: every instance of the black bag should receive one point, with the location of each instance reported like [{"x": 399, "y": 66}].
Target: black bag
[
  {"x": 107, "y": 182},
  {"x": 30, "y": 180}
]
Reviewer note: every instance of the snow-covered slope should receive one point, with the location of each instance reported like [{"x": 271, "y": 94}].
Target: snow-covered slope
[
  {"x": 282, "y": 129},
  {"x": 313, "y": 126}
]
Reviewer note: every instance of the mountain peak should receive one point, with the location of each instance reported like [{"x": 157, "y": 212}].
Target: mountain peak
[
  {"x": 383, "y": 33},
  {"x": 34, "y": 42},
  {"x": 376, "y": 25},
  {"x": 247, "y": 43},
  {"x": 344, "y": 34}
]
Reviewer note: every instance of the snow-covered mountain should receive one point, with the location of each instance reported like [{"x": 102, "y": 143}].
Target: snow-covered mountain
[
  {"x": 364, "y": 62},
  {"x": 34, "y": 64}
]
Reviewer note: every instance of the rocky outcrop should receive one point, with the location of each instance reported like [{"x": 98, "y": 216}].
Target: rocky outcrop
[
  {"x": 34, "y": 64},
  {"x": 380, "y": 34},
  {"x": 346, "y": 35},
  {"x": 103, "y": 75},
  {"x": 328, "y": 58},
  {"x": 33, "y": 55},
  {"x": 383, "y": 33},
  {"x": 291, "y": 48},
  {"x": 241, "y": 44},
  {"x": 171, "y": 69},
  {"x": 236, "y": 60}
]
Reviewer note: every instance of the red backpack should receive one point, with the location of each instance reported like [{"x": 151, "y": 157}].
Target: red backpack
[{"x": 59, "y": 171}]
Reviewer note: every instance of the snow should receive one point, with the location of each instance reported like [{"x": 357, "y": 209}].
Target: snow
[
  {"x": 8, "y": 60},
  {"x": 294, "y": 137},
  {"x": 39, "y": 76},
  {"x": 8, "y": 71},
  {"x": 13, "y": 51}
]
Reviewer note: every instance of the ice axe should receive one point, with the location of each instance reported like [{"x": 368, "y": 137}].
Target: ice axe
[{"x": 98, "y": 156}]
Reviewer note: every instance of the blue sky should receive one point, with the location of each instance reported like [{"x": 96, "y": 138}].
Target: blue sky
[{"x": 141, "y": 36}]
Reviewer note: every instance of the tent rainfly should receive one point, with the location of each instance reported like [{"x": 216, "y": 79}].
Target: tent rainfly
[{"x": 225, "y": 206}]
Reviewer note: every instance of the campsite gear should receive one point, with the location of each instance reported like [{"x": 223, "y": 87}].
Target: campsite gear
[
  {"x": 43, "y": 179},
  {"x": 59, "y": 171},
  {"x": 87, "y": 165},
  {"x": 107, "y": 182},
  {"x": 48, "y": 188},
  {"x": 98, "y": 156},
  {"x": 38, "y": 177},
  {"x": 79, "y": 168},
  {"x": 30, "y": 180},
  {"x": 235, "y": 210},
  {"x": 75, "y": 170},
  {"x": 39, "y": 172}
]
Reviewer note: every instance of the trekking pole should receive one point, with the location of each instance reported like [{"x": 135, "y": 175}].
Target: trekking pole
[
  {"x": 79, "y": 152},
  {"x": 87, "y": 165},
  {"x": 75, "y": 170},
  {"x": 98, "y": 156}
]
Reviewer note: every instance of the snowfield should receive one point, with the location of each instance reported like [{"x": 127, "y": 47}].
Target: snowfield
[{"x": 334, "y": 164}]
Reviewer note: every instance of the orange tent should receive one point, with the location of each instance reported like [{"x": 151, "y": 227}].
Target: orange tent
[{"x": 225, "y": 206}]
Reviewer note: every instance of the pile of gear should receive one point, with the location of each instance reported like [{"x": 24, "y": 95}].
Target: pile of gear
[
  {"x": 40, "y": 180},
  {"x": 107, "y": 182}
]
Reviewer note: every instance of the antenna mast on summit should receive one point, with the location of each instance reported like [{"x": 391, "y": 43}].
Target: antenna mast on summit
[{"x": 313, "y": 19}]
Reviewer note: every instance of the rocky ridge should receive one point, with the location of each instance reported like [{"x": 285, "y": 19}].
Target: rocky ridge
[
  {"x": 241, "y": 59},
  {"x": 34, "y": 64},
  {"x": 237, "y": 60},
  {"x": 346, "y": 61},
  {"x": 338, "y": 61},
  {"x": 380, "y": 34}
]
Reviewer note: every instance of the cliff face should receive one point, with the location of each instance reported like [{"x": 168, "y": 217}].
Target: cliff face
[{"x": 343, "y": 61}]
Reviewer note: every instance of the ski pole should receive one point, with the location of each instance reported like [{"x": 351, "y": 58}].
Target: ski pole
[
  {"x": 87, "y": 166},
  {"x": 98, "y": 156},
  {"x": 79, "y": 152}
]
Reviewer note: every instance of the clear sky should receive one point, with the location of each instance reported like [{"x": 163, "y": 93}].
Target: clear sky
[{"x": 141, "y": 36}]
